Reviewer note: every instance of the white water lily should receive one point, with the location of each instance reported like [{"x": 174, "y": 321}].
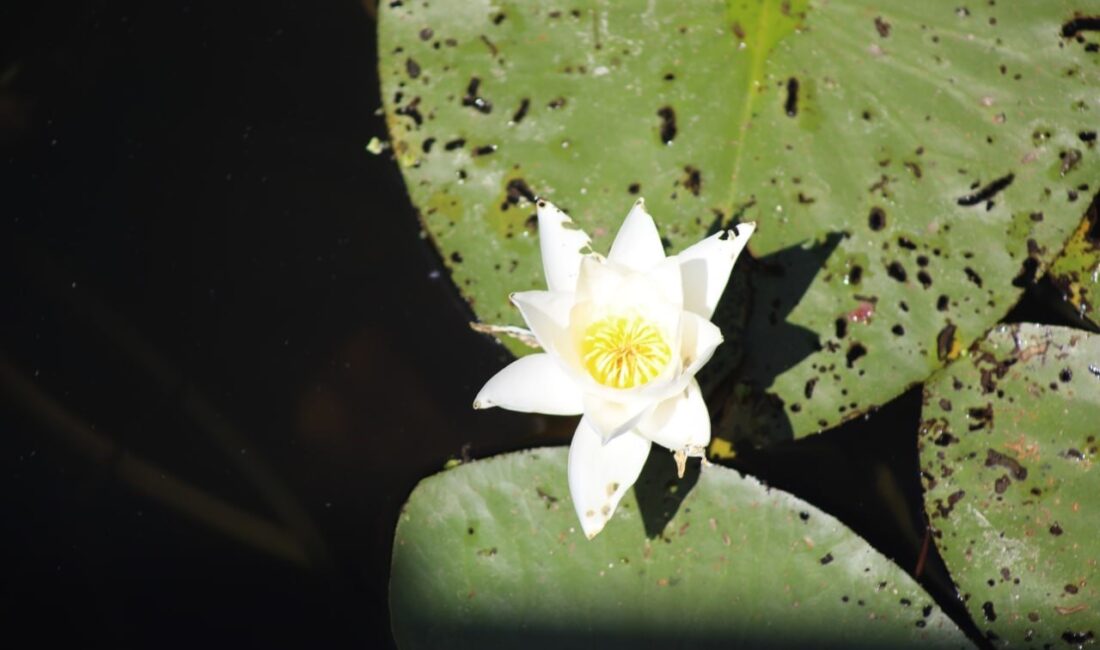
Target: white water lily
[{"x": 623, "y": 337}]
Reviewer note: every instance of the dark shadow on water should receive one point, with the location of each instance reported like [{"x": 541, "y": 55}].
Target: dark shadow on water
[
  {"x": 1035, "y": 306},
  {"x": 660, "y": 492},
  {"x": 865, "y": 473}
]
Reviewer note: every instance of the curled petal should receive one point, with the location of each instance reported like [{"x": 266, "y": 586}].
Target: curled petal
[
  {"x": 518, "y": 333},
  {"x": 698, "y": 339},
  {"x": 601, "y": 473},
  {"x": 705, "y": 267},
  {"x": 680, "y": 422},
  {"x": 638, "y": 245},
  {"x": 561, "y": 243},
  {"x": 532, "y": 384}
]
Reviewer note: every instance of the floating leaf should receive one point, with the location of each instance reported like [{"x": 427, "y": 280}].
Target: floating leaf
[
  {"x": 490, "y": 555},
  {"x": 1076, "y": 272},
  {"x": 907, "y": 164},
  {"x": 1009, "y": 445}
]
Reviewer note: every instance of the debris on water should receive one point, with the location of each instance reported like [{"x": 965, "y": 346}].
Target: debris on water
[{"x": 376, "y": 146}]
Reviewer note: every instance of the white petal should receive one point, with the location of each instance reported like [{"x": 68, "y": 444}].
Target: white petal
[
  {"x": 600, "y": 474},
  {"x": 698, "y": 339},
  {"x": 638, "y": 245},
  {"x": 599, "y": 281},
  {"x": 679, "y": 422},
  {"x": 532, "y": 384},
  {"x": 706, "y": 267},
  {"x": 666, "y": 281},
  {"x": 619, "y": 287},
  {"x": 611, "y": 418},
  {"x": 547, "y": 314},
  {"x": 561, "y": 243}
]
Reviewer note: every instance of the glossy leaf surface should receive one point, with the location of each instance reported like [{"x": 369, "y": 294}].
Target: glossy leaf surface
[
  {"x": 907, "y": 163},
  {"x": 1009, "y": 450},
  {"x": 490, "y": 555}
]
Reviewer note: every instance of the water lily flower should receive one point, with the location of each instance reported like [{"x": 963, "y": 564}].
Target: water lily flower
[{"x": 622, "y": 338}]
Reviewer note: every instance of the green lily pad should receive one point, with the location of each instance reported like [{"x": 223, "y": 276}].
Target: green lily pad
[
  {"x": 1076, "y": 272},
  {"x": 1009, "y": 445},
  {"x": 490, "y": 555},
  {"x": 906, "y": 163}
]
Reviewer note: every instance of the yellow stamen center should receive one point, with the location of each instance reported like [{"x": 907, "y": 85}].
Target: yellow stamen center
[{"x": 624, "y": 351}]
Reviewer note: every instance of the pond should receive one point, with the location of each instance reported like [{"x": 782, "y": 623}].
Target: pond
[{"x": 231, "y": 350}]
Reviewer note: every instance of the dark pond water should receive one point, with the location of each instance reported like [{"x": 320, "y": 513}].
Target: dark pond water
[
  {"x": 218, "y": 319},
  {"x": 228, "y": 356}
]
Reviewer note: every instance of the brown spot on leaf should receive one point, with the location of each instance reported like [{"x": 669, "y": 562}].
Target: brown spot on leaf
[
  {"x": 521, "y": 112},
  {"x": 473, "y": 99},
  {"x": 791, "y": 105},
  {"x": 668, "y": 124},
  {"x": 995, "y": 458},
  {"x": 882, "y": 27},
  {"x": 946, "y": 342},
  {"x": 693, "y": 180},
  {"x": 986, "y": 193}
]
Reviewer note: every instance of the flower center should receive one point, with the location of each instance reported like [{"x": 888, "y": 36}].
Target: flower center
[{"x": 624, "y": 351}]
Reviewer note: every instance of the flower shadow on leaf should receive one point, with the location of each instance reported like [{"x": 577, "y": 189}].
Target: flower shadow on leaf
[
  {"x": 749, "y": 414},
  {"x": 660, "y": 492}
]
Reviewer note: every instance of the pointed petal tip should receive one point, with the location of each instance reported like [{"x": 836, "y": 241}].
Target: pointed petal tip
[
  {"x": 534, "y": 383},
  {"x": 744, "y": 229},
  {"x": 542, "y": 205},
  {"x": 592, "y": 526},
  {"x": 638, "y": 242},
  {"x": 561, "y": 243}
]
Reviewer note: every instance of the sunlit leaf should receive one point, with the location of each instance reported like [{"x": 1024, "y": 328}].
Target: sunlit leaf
[
  {"x": 1009, "y": 450},
  {"x": 490, "y": 555},
  {"x": 906, "y": 163}
]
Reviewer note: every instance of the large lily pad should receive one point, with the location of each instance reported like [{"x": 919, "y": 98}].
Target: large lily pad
[
  {"x": 490, "y": 555},
  {"x": 1009, "y": 447},
  {"x": 906, "y": 162}
]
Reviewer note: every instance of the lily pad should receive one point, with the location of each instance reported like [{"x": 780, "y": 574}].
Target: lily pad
[
  {"x": 1076, "y": 272},
  {"x": 1009, "y": 454},
  {"x": 906, "y": 163},
  {"x": 490, "y": 555}
]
